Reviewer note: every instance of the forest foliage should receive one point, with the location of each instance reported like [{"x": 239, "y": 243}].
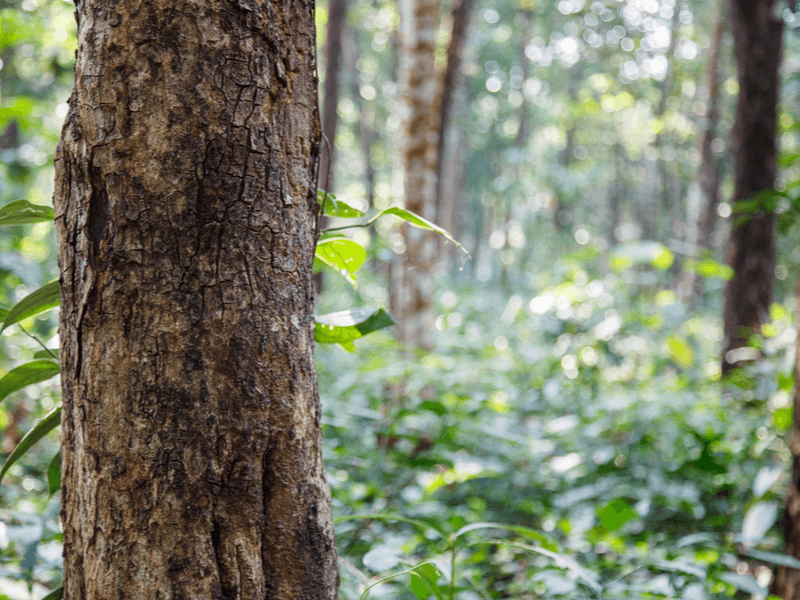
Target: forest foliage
[{"x": 570, "y": 435}]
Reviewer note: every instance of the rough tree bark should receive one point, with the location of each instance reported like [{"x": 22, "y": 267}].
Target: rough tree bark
[
  {"x": 757, "y": 33},
  {"x": 420, "y": 84},
  {"x": 185, "y": 213}
]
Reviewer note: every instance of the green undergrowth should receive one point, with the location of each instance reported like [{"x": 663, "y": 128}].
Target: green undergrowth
[{"x": 575, "y": 408}]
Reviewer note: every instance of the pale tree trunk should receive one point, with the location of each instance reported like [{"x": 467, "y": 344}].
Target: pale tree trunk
[
  {"x": 459, "y": 25},
  {"x": 366, "y": 111},
  {"x": 420, "y": 87},
  {"x": 185, "y": 213},
  {"x": 757, "y": 34}
]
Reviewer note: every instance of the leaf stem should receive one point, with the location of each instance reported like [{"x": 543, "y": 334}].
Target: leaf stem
[{"x": 38, "y": 341}]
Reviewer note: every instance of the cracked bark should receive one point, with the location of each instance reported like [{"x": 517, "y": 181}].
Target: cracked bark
[{"x": 185, "y": 209}]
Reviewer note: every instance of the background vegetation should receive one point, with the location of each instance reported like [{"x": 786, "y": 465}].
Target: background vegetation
[{"x": 569, "y": 436}]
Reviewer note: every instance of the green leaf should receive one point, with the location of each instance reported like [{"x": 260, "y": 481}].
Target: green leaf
[
  {"x": 435, "y": 407},
  {"x": 337, "y": 208},
  {"x": 349, "y": 325},
  {"x": 49, "y": 353},
  {"x": 746, "y": 583},
  {"x": 22, "y": 212},
  {"x": 775, "y": 558},
  {"x": 641, "y": 253},
  {"x": 342, "y": 255},
  {"x": 587, "y": 577},
  {"x": 46, "y": 297},
  {"x": 27, "y": 374},
  {"x": 54, "y": 474},
  {"x": 423, "y": 581},
  {"x": 758, "y": 520},
  {"x": 680, "y": 352},
  {"x": 41, "y": 429},
  {"x": 616, "y": 514},
  {"x": 55, "y": 595},
  {"x": 427, "y": 528},
  {"x": 415, "y": 220},
  {"x": 413, "y": 569},
  {"x": 708, "y": 268},
  {"x": 531, "y": 534}
]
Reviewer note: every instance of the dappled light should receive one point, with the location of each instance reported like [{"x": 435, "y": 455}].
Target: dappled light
[{"x": 554, "y": 313}]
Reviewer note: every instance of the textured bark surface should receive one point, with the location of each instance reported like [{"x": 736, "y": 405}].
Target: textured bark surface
[
  {"x": 421, "y": 92},
  {"x": 185, "y": 212},
  {"x": 757, "y": 33}
]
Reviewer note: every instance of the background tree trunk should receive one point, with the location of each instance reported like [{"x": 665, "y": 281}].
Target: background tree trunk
[
  {"x": 708, "y": 176},
  {"x": 786, "y": 582},
  {"x": 421, "y": 92},
  {"x": 459, "y": 25},
  {"x": 337, "y": 10},
  {"x": 185, "y": 213},
  {"x": 757, "y": 34}
]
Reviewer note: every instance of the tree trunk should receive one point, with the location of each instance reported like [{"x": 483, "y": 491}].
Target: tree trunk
[
  {"x": 330, "y": 117},
  {"x": 333, "y": 67},
  {"x": 663, "y": 137},
  {"x": 708, "y": 176},
  {"x": 786, "y": 582},
  {"x": 420, "y": 85},
  {"x": 757, "y": 36},
  {"x": 709, "y": 171},
  {"x": 459, "y": 24},
  {"x": 185, "y": 213}
]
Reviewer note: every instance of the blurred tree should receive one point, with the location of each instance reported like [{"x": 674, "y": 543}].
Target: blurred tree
[
  {"x": 186, "y": 211},
  {"x": 337, "y": 10},
  {"x": 708, "y": 176},
  {"x": 757, "y": 33},
  {"x": 459, "y": 24},
  {"x": 420, "y": 86}
]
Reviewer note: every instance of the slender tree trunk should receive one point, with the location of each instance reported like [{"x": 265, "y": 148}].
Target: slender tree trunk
[
  {"x": 459, "y": 25},
  {"x": 330, "y": 116},
  {"x": 337, "y": 10},
  {"x": 366, "y": 112},
  {"x": 420, "y": 85},
  {"x": 708, "y": 176},
  {"x": 786, "y": 582},
  {"x": 185, "y": 213},
  {"x": 709, "y": 171},
  {"x": 757, "y": 34}
]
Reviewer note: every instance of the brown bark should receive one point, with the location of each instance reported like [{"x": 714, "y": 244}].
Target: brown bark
[
  {"x": 420, "y": 85},
  {"x": 185, "y": 212},
  {"x": 757, "y": 37},
  {"x": 333, "y": 66}
]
